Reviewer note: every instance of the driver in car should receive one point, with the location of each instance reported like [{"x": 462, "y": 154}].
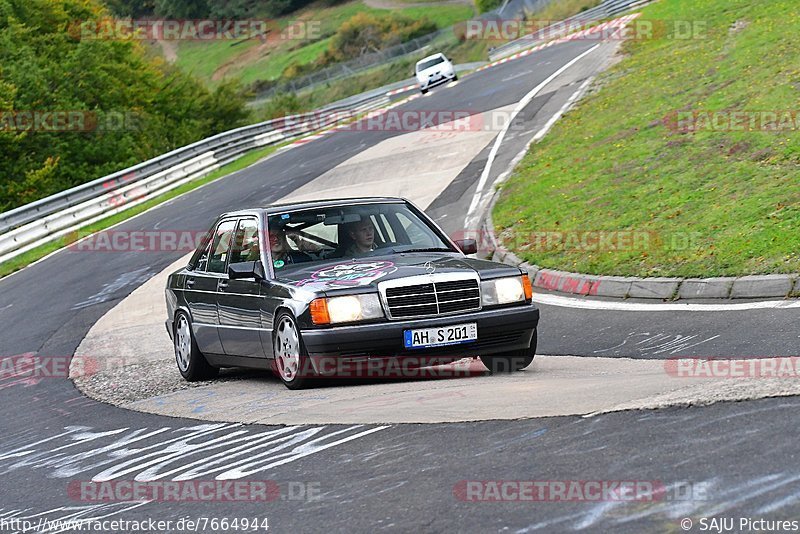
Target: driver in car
[
  {"x": 362, "y": 235},
  {"x": 282, "y": 253}
]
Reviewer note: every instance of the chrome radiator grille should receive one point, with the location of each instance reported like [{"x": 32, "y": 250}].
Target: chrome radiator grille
[{"x": 438, "y": 295}]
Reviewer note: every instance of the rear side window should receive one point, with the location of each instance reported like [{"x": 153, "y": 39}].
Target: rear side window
[
  {"x": 202, "y": 262},
  {"x": 220, "y": 247}
]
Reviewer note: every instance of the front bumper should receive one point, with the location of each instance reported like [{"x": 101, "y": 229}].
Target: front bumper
[
  {"x": 499, "y": 330},
  {"x": 438, "y": 80}
]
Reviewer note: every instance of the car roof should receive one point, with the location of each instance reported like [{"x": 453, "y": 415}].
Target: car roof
[
  {"x": 311, "y": 204},
  {"x": 438, "y": 54}
]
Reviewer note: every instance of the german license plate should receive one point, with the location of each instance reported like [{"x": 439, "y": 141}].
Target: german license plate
[{"x": 440, "y": 336}]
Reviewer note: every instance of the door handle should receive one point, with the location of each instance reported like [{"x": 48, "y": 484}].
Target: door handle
[
  {"x": 190, "y": 283},
  {"x": 222, "y": 284}
]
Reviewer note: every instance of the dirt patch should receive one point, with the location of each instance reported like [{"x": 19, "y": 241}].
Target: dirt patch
[
  {"x": 738, "y": 26},
  {"x": 399, "y": 4},
  {"x": 249, "y": 55}
]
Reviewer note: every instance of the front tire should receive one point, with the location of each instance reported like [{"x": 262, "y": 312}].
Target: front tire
[
  {"x": 509, "y": 362},
  {"x": 292, "y": 364},
  {"x": 455, "y": 77},
  {"x": 192, "y": 364},
  {"x": 423, "y": 91}
]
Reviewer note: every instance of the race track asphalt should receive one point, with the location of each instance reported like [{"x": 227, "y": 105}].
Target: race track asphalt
[{"x": 736, "y": 459}]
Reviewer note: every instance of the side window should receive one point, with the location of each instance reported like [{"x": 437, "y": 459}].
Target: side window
[
  {"x": 220, "y": 247},
  {"x": 383, "y": 227},
  {"x": 246, "y": 244},
  {"x": 200, "y": 258},
  {"x": 202, "y": 262},
  {"x": 419, "y": 236}
]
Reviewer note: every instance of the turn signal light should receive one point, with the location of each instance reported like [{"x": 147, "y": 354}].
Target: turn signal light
[
  {"x": 526, "y": 285},
  {"x": 319, "y": 311}
]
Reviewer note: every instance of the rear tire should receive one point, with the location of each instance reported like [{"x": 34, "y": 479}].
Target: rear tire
[
  {"x": 509, "y": 362},
  {"x": 455, "y": 77},
  {"x": 192, "y": 364},
  {"x": 423, "y": 91},
  {"x": 292, "y": 364}
]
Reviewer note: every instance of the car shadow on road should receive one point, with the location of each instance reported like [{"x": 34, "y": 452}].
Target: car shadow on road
[{"x": 466, "y": 368}]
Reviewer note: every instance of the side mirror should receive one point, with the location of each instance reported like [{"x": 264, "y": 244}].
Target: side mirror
[
  {"x": 467, "y": 246},
  {"x": 246, "y": 269}
]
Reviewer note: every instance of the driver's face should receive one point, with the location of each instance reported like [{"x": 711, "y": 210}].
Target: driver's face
[
  {"x": 363, "y": 234},
  {"x": 275, "y": 242}
]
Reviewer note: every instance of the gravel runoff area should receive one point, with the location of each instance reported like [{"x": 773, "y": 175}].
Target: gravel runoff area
[{"x": 129, "y": 362}]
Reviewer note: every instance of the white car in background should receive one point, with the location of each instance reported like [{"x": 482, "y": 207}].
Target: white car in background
[{"x": 434, "y": 70}]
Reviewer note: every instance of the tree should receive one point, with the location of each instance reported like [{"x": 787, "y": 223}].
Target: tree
[{"x": 131, "y": 107}]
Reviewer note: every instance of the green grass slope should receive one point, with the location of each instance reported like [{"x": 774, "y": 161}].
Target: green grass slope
[
  {"x": 712, "y": 202},
  {"x": 250, "y": 61}
]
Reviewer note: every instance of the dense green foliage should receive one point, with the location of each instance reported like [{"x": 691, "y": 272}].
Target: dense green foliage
[
  {"x": 224, "y": 9},
  {"x": 365, "y": 32},
  {"x": 487, "y": 5},
  {"x": 142, "y": 106},
  {"x": 361, "y": 34}
]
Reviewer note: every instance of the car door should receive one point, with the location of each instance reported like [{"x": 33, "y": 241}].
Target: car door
[
  {"x": 202, "y": 286},
  {"x": 240, "y": 301}
]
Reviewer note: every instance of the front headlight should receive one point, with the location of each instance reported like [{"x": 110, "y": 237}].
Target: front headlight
[
  {"x": 505, "y": 290},
  {"x": 347, "y": 309}
]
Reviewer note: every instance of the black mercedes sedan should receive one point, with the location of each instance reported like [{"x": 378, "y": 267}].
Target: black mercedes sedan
[{"x": 316, "y": 289}]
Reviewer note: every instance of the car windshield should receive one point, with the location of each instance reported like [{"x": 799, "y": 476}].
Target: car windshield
[
  {"x": 422, "y": 65},
  {"x": 315, "y": 235}
]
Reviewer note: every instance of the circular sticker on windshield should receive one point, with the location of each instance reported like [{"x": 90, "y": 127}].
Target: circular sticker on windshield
[{"x": 278, "y": 264}]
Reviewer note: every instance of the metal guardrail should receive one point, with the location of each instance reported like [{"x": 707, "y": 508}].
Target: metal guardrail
[
  {"x": 354, "y": 66},
  {"x": 29, "y": 226},
  {"x": 44, "y": 220},
  {"x": 607, "y": 9}
]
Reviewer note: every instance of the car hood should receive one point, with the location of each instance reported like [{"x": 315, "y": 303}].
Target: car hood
[{"x": 348, "y": 274}]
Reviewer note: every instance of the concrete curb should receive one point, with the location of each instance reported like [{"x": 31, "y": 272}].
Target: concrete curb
[{"x": 742, "y": 287}]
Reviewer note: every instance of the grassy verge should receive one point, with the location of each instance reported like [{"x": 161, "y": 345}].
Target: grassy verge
[
  {"x": 715, "y": 201},
  {"x": 38, "y": 253},
  {"x": 459, "y": 51},
  {"x": 565, "y": 9},
  {"x": 250, "y": 61}
]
